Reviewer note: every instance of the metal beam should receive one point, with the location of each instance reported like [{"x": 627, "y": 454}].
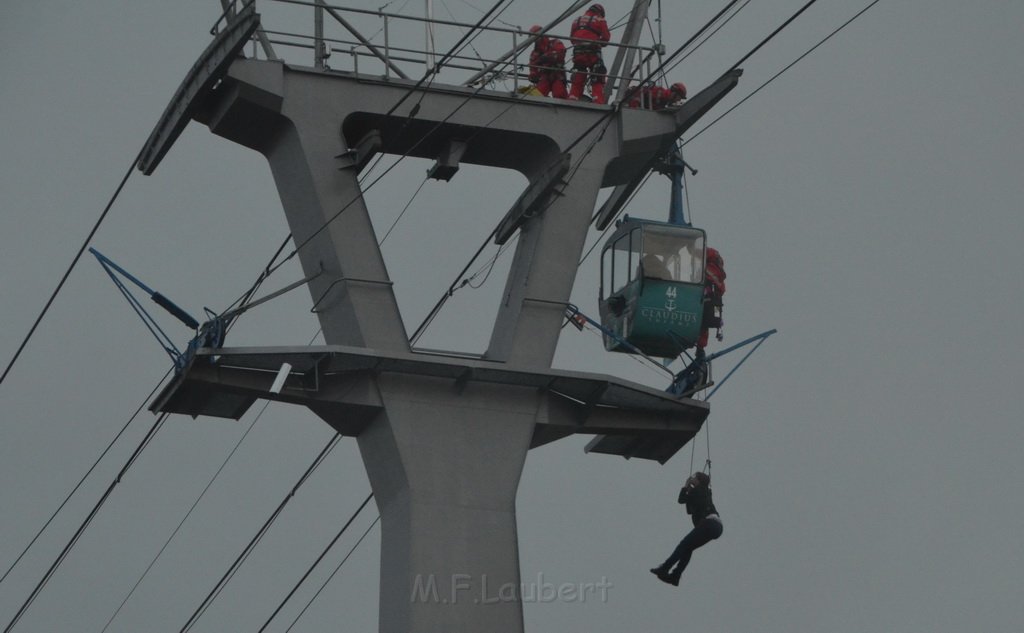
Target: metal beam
[
  {"x": 531, "y": 202},
  {"x": 624, "y": 56},
  {"x": 319, "y": 48},
  {"x": 229, "y": 13},
  {"x": 211, "y": 66}
]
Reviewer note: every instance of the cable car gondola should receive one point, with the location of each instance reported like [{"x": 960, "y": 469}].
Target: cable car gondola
[{"x": 652, "y": 287}]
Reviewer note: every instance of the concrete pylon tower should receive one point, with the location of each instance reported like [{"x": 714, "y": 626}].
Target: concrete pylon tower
[{"x": 443, "y": 437}]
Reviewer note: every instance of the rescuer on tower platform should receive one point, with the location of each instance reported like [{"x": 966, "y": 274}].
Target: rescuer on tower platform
[
  {"x": 589, "y": 35},
  {"x": 652, "y": 97},
  {"x": 547, "y": 65}
]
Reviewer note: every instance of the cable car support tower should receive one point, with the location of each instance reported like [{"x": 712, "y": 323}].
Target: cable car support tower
[{"x": 443, "y": 437}]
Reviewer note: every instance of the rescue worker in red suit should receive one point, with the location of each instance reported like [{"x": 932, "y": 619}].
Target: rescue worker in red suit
[
  {"x": 658, "y": 98},
  {"x": 589, "y": 35},
  {"x": 547, "y": 65},
  {"x": 714, "y": 288}
]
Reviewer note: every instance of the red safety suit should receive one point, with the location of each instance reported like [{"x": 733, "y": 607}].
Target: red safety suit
[
  {"x": 714, "y": 288},
  {"x": 652, "y": 98},
  {"x": 547, "y": 67},
  {"x": 589, "y": 35}
]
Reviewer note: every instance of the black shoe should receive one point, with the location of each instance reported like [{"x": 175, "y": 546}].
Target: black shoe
[{"x": 665, "y": 576}]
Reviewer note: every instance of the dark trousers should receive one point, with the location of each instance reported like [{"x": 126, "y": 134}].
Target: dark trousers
[{"x": 703, "y": 533}]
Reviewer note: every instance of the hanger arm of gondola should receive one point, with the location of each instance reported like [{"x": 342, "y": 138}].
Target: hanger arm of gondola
[{"x": 685, "y": 117}]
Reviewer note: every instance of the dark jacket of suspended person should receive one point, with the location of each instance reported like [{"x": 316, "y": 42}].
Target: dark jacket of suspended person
[
  {"x": 707, "y": 526},
  {"x": 547, "y": 65},
  {"x": 589, "y": 35}
]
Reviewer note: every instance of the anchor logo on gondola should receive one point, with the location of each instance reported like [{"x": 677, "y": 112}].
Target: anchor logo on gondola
[{"x": 670, "y": 298}]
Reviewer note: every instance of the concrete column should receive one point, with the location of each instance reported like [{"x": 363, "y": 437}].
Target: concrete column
[{"x": 445, "y": 468}]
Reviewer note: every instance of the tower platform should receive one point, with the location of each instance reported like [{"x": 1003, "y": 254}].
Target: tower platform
[{"x": 341, "y": 384}]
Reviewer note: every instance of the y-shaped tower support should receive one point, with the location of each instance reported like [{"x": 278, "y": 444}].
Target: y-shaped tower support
[{"x": 444, "y": 439}]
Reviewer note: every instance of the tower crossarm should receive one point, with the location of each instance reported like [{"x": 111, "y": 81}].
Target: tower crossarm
[{"x": 340, "y": 383}]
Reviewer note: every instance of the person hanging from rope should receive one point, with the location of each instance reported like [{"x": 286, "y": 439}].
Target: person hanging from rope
[
  {"x": 707, "y": 526},
  {"x": 653, "y": 97},
  {"x": 547, "y": 65},
  {"x": 589, "y": 35},
  {"x": 714, "y": 288}
]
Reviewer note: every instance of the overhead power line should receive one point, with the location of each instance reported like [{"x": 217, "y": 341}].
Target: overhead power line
[
  {"x": 459, "y": 282},
  {"x": 81, "y": 529},
  {"x": 174, "y": 533},
  {"x": 778, "y": 74},
  {"x": 74, "y": 262},
  {"x": 268, "y": 269},
  {"x": 212, "y": 595},
  {"x": 83, "y": 478},
  {"x": 271, "y": 267},
  {"x": 333, "y": 574},
  {"x": 316, "y": 562},
  {"x": 185, "y": 518},
  {"x": 772, "y": 35},
  {"x": 708, "y": 37}
]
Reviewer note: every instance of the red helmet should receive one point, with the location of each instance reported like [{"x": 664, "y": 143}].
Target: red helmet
[
  {"x": 679, "y": 88},
  {"x": 714, "y": 256},
  {"x": 536, "y": 28},
  {"x": 596, "y": 8}
]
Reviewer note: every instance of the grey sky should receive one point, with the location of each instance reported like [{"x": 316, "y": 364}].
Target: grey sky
[{"x": 866, "y": 460}]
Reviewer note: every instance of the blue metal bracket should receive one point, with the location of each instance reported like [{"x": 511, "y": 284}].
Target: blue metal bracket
[
  {"x": 689, "y": 379},
  {"x": 113, "y": 270}
]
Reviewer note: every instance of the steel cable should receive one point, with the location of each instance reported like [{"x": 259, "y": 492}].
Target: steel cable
[
  {"x": 81, "y": 529},
  {"x": 212, "y": 595},
  {"x": 74, "y": 262}
]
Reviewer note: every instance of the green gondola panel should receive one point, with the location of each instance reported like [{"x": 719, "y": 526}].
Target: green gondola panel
[{"x": 652, "y": 287}]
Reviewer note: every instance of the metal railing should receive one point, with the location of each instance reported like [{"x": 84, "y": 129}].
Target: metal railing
[{"x": 382, "y": 59}]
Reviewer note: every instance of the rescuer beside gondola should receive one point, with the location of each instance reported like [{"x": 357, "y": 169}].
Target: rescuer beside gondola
[
  {"x": 589, "y": 35},
  {"x": 714, "y": 288},
  {"x": 547, "y": 65}
]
